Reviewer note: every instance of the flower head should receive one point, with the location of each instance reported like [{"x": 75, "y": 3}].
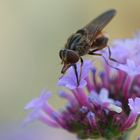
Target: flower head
[
  {"x": 126, "y": 51},
  {"x": 106, "y": 103}
]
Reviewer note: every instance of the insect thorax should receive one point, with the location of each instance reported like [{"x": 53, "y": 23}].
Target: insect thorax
[{"x": 79, "y": 43}]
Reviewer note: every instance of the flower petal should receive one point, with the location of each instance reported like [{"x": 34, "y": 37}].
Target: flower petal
[
  {"x": 134, "y": 105},
  {"x": 130, "y": 68},
  {"x": 38, "y": 102},
  {"x": 69, "y": 80}
]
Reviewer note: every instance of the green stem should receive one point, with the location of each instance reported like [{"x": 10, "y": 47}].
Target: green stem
[
  {"x": 122, "y": 138},
  {"x": 125, "y": 137}
]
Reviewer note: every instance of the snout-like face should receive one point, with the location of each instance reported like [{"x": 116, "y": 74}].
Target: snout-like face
[{"x": 68, "y": 58}]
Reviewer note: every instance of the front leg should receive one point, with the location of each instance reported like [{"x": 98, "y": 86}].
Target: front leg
[
  {"x": 81, "y": 60},
  {"x": 76, "y": 73}
]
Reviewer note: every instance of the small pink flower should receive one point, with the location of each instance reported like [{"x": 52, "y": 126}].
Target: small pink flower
[
  {"x": 130, "y": 68},
  {"x": 134, "y": 105},
  {"x": 135, "y": 111},
  {"x": 107, "y": 102}
]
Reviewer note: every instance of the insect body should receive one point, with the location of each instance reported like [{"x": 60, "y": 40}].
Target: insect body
[{"x": 87, "y": 40}]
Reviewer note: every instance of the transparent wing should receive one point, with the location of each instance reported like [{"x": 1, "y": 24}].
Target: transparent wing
[{"x": 97, "y": 25}]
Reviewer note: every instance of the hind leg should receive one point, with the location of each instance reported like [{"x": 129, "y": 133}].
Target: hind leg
[
  {"x": 98, "y": 54},
  {"x": 101, "y": 43},
  {"x": 112, "y": 59}
]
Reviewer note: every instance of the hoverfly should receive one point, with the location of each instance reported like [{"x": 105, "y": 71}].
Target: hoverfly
[{"x": 87, "y": 40}]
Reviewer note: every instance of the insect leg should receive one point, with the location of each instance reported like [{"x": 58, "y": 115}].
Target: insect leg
[
  {"x": 109, "y": 50},
  {"x": 76, "y": 73},
  {"x": 98, "y": 49},
  {"x": 81, "y": 60},
  {"x": 98, "y": 54},
  {"x": 112, "y": 59}
]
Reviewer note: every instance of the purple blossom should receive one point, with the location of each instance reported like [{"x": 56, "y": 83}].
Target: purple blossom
[
  {"x": 102, "y": 105},
  {"x": 100, "y": 98},
  {"x": 107, "y": 102},
  {"x": 37, "y": 103},
  {"x": 135, "y": 111},
  {"x": 40, "y": 107},
  {"x": 91, "y": 119},
  {"x": 122, "y": 49},
  {"x": 130, "y": 68},
  {"x": 70, "y": 81},
  {"x": 126, "y": 51},
  {"x": 134, "y": 105},
  {"x": 103, "y": 100}
]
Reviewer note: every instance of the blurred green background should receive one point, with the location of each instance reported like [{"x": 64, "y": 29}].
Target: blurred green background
[{"x": 31, "y": 34}]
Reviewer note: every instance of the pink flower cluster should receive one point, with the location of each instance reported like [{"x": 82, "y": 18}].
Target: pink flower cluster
[{"x": 106, "y": 103}]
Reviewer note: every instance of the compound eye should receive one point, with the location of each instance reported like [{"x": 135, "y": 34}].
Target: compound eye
[
  {"x": 68, "y": 56},
  {"x": 71, "y": 57},
  {"x": 61, "y": 54}
]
